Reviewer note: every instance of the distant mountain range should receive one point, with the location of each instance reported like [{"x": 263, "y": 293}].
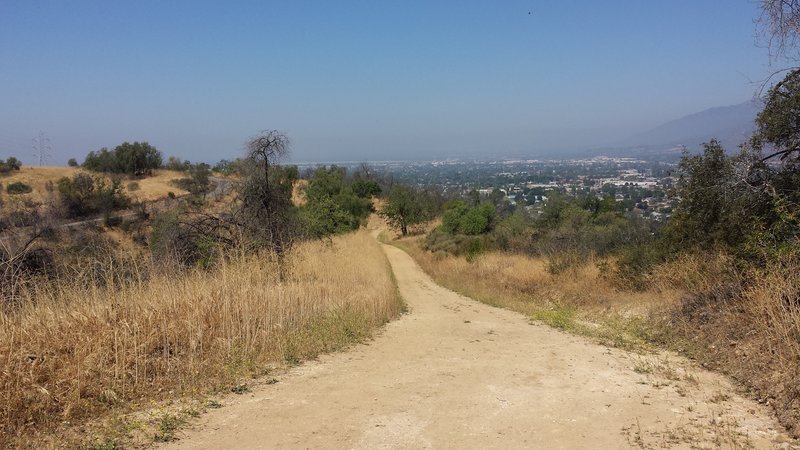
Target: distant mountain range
[{"x": 731, "y": 125}]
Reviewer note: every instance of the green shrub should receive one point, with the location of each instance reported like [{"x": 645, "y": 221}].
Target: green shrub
[
  {"x": 635, "y": 264},
  {"x": 18, "y": 187},
  {"x": 333, "y": 206},
  {"x": 366, "y": 188},
  {"x": 475, "y": 247},
  {"x": 183, "y": 241},
  {"x": 83, "y": 194},
  {"x": 9, "y": 164},
  {"x": 440, "y": 241},
  {"x": 460, "y": 218}
]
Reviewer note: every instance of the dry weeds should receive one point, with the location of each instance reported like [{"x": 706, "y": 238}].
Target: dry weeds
[
  {"x": 580, "y": 300},
  {"x": 79, "y": 353},
  {"x": 752, "y": 335},
  {"x": 151, "y": 188}
]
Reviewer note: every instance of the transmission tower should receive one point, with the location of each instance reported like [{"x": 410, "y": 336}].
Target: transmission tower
[{"x": 41, "y": 147}]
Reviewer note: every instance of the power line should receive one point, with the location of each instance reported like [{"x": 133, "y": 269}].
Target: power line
[{"x": 41, "y": 147}]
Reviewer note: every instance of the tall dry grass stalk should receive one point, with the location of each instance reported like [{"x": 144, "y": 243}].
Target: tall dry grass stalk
[
  {"x": 746, "y": 324},
  {"x": 751, "y": 332},
  {"x": 773, "y": 304},
  {"x": 78, "y": 352},
  {"x": 523, "y": 283}
]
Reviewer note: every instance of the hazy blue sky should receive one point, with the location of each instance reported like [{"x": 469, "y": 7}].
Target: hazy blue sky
[{"x": 366, "y": 80}]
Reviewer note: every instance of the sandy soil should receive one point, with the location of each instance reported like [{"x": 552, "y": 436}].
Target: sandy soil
[{"x": 455, "y": 373}]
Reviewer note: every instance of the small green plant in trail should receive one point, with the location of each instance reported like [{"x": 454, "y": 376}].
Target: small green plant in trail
[
  {"x": 643, "y": 366},
  {"x": 213, "y": 404},
  {"x": 719, "y": 397},
  {"x": 168, "y": 424},
  {"x": 193, "y": 412},
  {"x": 558, "y": 317},
  {"x": 105, "y": 444},
  {"x": 240, "y": 389}
]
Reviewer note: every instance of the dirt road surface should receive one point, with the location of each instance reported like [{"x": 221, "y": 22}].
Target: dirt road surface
[{"x": 455, "y": 373}]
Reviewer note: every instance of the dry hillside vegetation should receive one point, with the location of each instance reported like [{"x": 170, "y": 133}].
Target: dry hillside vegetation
[
  {"x": 578, "y": 300},
  {"x": 75, "y": 353},
  {"x": 299, "y": 197},
  {"x": 37, "y": 177},
  {"x": 752, "y": 335}
]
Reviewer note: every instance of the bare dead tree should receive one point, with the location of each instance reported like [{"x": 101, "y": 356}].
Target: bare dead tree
[
  {"x": 266, "y": 149},
  {"x": 779, "y": 27},
  {"x": 265, "y": 194}
]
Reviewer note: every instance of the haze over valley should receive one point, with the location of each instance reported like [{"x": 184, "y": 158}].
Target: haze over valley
[{"x": 360, "y": 225}]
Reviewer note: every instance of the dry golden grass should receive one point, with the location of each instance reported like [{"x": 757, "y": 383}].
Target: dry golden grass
[
  {"x": 693, "y": 305},
  {"x": 37, "y": 177},
  {"x": 150, "y": 188},
  {"x": 158, "y": 185},
  {"x": 750, "y": 331},
  {"x": 299, "y": 193},
  {"x": 523, "y": 284},
  {"x": 579, "y": 300},
  {"x": 80, "y": 352}
]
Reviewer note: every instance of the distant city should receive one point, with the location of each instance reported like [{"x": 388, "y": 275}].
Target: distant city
[{"x": 642, "y": 187}]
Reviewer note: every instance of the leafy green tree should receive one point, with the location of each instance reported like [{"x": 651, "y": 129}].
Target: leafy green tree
[
  {"x": 225, "y": 167},
  {"x": 460, "y": 218},
  {"x": 778, "y": 124},
  {"x": 451, "y": 218},
  {"x": 476, "y": 220},
  {"x": 13, "y": 163},
  {"x": 324, "y": 217},
  {"x": 405, "y": 207},
  {"x": 137, "y": 158},
  {"x": 178, "y": 165},
  {"x": 366, "y": 188},
  {"x": 332, "y": 205},
  {"x": 9, "y": 164},
  {"x": 325, "y": 183},
  {"x": 72, "y": 162},
  {"x": 717, "y": 206},
  {"x": 102, "y": 160}
]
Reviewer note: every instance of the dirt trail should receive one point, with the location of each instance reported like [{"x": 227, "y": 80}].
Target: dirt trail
[{"x": 455, "y": 373}]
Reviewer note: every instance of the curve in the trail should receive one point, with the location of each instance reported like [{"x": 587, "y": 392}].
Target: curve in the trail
[{"x": 455, "y": 373}]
